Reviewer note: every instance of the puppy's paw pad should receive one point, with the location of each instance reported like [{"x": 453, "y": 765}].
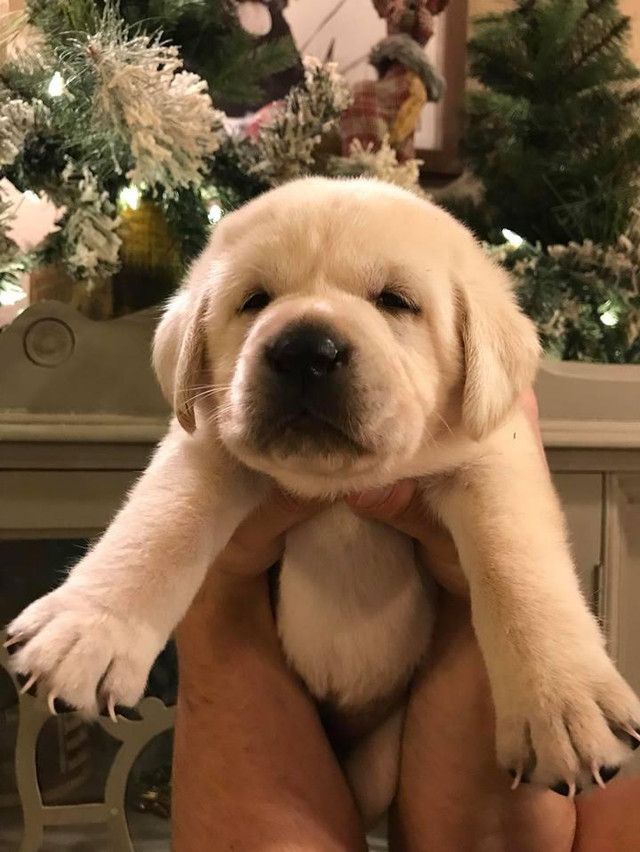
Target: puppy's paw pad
[
  {"x": 602, "y": 775},
  {"x": 562, "y": 788}
]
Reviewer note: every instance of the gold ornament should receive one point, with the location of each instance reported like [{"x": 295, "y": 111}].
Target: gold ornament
[{"x": 150, "y": 258}]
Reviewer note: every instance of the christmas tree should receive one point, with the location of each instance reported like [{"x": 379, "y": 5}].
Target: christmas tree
[{"x": 553, "y": 124}]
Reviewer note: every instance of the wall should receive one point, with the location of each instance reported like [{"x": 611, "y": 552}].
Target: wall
[
  {"x": 476, "y": 7},
  {"x": 628, "y": 7}
]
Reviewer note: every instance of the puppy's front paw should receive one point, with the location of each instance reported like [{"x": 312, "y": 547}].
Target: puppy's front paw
[
  {"x": 82, "y": 653},
  {"x": 567, "y": 728}
]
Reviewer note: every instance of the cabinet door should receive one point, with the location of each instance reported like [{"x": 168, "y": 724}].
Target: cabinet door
[
  {"x": 621, "y": 589},
  {"x": 603, "y": 516},
  {"x": 582, "y": 500},
  {"x": 57, "y": 503},
  {"x": 71, "y": 776}
]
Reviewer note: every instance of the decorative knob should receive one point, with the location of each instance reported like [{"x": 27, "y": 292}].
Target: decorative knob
[{"x": 49, "y": 342}]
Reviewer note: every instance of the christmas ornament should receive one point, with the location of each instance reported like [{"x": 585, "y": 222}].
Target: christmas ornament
[
  {"x": 390, "y": 107},
  {"x": 413, "y": 17},
  {"x": 150, "y": 260},
  {"x": 254, "y": 17},
  {"x": 102, "y": 118}
]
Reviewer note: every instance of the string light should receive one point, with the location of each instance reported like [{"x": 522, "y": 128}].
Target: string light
[
  {"x": 609, "y": 318},
  {"x": 56, "y": 85},
  {"x": 215, "y": 213},
  {"x": 514, "y": 240},
  {"x": 11, "y": 296},
  {"x": 130, "y": 196}
]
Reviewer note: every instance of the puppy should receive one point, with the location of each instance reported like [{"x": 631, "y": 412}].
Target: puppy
[{"x": 337, "y": 336}]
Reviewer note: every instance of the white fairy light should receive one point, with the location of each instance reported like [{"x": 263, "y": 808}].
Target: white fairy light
[
  {"x": 11, "y": 296},
  {"x": 514, "y": 240},
  {"x": 56, "y": 85},
  {"x": 215, "y": 213},
  {"x": 609, "y": 318},
  {"x": 130, "y": 196}
]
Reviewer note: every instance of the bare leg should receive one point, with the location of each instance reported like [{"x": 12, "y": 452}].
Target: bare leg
[
  {"x": 452, "y": 797},
  {"x": 252, "y": 767},
  {"x": 609, "y": 820}
]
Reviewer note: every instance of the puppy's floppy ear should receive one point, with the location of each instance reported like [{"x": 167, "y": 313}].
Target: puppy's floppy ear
[
  {"x": 179, "y": 352},
  {"x": 501, "y": 348}
]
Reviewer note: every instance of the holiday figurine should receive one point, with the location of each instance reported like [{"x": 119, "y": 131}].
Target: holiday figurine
[{"x": 390, "y": 106}]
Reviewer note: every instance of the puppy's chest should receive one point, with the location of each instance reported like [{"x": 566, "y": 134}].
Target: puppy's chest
[{"x": 353, "y": 614}]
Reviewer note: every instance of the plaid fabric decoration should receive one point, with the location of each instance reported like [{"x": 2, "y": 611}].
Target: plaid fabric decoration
[{"x": 374, "y": 109}]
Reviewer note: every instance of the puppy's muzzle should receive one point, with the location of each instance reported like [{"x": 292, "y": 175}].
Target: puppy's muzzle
[{"x": 307, "y": 399}]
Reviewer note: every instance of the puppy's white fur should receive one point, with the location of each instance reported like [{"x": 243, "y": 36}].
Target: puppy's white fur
[{"x": 435, "y": 400}]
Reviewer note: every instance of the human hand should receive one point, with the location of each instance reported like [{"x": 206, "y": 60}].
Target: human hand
[
  {"x": 400, "y": 505},
  {"x": 233, "y": 601},
  {"x": 258, "y": 542}
]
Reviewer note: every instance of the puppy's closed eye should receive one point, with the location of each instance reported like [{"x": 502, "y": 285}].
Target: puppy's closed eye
[
  {"x": 255, "y": 301},
  {"x": 396, "y": 301}
]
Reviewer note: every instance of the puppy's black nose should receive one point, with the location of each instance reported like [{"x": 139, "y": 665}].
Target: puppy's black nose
[{"x": 307, "y": 351}]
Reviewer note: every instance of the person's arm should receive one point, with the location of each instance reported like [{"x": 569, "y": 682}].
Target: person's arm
[
  {"x": 451, "y": 790},
  {"x": 252, "y": 767}
]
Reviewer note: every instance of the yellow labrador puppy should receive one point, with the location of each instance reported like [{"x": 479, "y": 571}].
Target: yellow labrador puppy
[{"x": 334, "y": 336}]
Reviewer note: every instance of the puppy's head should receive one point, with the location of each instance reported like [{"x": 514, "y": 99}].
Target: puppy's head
[{"x": 332, "y": 329}]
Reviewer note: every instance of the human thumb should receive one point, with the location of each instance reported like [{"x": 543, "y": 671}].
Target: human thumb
[{"x": 399, "y": 505}]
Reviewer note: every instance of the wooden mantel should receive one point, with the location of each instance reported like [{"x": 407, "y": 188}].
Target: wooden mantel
[
  {"x": 67, "y": 379},
  {"x": 594, "y": 406}
]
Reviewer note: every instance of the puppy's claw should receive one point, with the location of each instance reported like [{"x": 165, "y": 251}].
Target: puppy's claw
[
  {"x": 51, "y": 704},
  {"x": 13, "y": 644},
  {"x": 597, "y": 778},
  {"x": 635, "y": 736},
  {"x": 28, "y": 684},
  {"x": 111, "y": 708},
  {"x": 516, "y": 774}
]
